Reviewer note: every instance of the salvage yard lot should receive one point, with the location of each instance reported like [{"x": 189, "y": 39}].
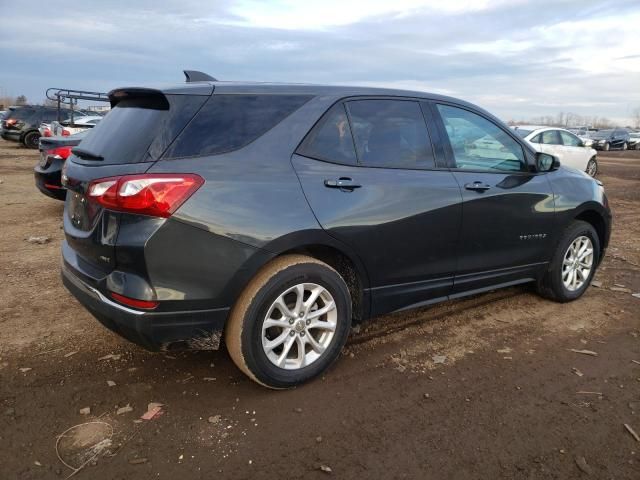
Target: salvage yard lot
[{"x": 487, "y": 387}]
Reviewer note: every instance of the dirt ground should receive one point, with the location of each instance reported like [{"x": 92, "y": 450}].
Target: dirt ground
[{"x": 505, "y": 397}]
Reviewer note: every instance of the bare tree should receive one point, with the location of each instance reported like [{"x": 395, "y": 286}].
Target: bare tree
[{"x": 21, "y": 100}]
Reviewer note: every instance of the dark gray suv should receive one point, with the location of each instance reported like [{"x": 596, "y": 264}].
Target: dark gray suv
[{"x": 274, "y": 215}]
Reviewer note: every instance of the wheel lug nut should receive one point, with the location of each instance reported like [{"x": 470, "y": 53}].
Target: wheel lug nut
[
  {"x": 291, "y": 321},
  {"x": 302, "y": 334},
  {"x": 308, "y": 322},
  {"x": 292, "y": 333},
  {"x": 301, "y": 314}
]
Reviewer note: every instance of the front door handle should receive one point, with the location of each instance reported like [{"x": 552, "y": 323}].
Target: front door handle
[
  {"x": 343, "y": 183},
  {"x": 477, "y": 186}
]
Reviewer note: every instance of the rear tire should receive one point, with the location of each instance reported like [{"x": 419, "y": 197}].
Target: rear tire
[
  {"x": 592, "y": 167},
  {"x": 268, "y": 318},
  {"x": 558, "y": 282},
  {"x": 31, "y": 140}
]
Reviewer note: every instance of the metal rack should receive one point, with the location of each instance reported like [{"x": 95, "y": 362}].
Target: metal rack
[{"x": 65, "y": 96}]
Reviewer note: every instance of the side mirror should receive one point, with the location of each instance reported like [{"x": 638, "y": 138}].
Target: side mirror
[{"x": 546, "y": 162}]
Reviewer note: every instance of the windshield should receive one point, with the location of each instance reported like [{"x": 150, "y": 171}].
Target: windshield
[{"x": 602, "y": 134}]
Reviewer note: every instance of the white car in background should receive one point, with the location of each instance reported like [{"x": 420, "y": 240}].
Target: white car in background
[
  {"x": 66, "y": 128},
  {"x": 570, "y": 150}
]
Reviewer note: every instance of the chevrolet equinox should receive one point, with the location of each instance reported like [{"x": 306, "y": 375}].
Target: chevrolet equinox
[{"x": 271, "y": 216}]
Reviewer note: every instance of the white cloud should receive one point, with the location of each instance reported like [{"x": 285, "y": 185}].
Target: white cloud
[
  {"x": 320, "y": 14},
  {"x": 516, "y": 58}
]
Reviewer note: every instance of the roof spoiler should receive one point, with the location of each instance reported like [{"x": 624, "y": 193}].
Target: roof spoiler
[
  {"x": 196, "y": 76},
  {"x": 145, "y": 97}
]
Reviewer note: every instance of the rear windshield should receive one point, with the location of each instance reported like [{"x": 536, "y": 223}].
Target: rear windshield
[
  {"x": 229, "y": 122},
  {"x": 521, "y": 132},
  {"x": 137, "y": 130}
]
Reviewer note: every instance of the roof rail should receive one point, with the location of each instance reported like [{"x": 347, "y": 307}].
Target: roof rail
[{"x": 196, "y": 76}]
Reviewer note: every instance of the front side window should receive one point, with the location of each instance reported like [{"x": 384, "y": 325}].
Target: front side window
[
  {"x": 330, "y": 139},
  {"x": 570, "y": 140},
  {"x": 391, "y": 134},
  {"x": 551, "y": 137},
  {"x": 479, "y": 144}
]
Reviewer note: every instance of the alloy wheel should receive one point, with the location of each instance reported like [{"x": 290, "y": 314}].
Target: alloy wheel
[
  {"x": 592, "y": 168},
  {"x": 577, "y": 263},
  {"x": 299, "y": 326}
]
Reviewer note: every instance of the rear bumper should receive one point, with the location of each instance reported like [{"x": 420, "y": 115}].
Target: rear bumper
[
  {"x": 197, "y": 330},
  {"x": 48, "y": 181}
]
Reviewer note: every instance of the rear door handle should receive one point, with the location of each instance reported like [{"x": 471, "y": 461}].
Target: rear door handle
[
  {"x": 477, "y": 186},
  {"x": 343, "y": 183}
]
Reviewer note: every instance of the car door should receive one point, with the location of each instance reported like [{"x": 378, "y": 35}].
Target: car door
[
  {"x": 508, "y": 208},
  {"x": 369, "y": 173},
  {"x": 575, "y": 154}
]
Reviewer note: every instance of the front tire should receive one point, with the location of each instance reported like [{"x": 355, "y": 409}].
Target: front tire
[
  {"x": 592, "y": 167},
  {"x": 290, "y": 323},
  {"x": 573, "y": 265}
]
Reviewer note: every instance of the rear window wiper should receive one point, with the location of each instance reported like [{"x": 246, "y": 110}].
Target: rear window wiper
[{"x": 86, "y": 155}]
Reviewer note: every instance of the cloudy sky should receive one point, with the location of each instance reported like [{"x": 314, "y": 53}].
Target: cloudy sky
[{"x": 519, "y": 59}]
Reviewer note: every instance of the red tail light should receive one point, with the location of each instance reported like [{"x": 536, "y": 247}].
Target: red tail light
[
  {"x": 158, "y": 195},
  {"x": 134, "y": 302},
  {"x": 60, "y": 152},
  {"x": 11, "y": 121},
  {"x": 65, "y": 132},
  {"x": 46, "y": 132}
]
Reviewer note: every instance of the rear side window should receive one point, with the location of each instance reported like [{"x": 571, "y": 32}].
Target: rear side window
[
  {"x": 391, "y": 134},
  {"x": 229, "y": 122},
  {"x": 138, "y": 129},
  {"x": 331, "y": 139},
  {"x": 537, "y": 139},
  {"x": 551, "y": 137}
]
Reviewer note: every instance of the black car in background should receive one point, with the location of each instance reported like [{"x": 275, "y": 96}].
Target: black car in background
[
  {"x": 54, "y": 151},
  {"x": 614, "y": 138},
  {"x": 278, "y": 214},
  {"x": 21, "y": 125}
]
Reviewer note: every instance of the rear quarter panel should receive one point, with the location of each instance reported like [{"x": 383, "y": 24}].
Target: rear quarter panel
[{"x": 251, "y": 202}]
